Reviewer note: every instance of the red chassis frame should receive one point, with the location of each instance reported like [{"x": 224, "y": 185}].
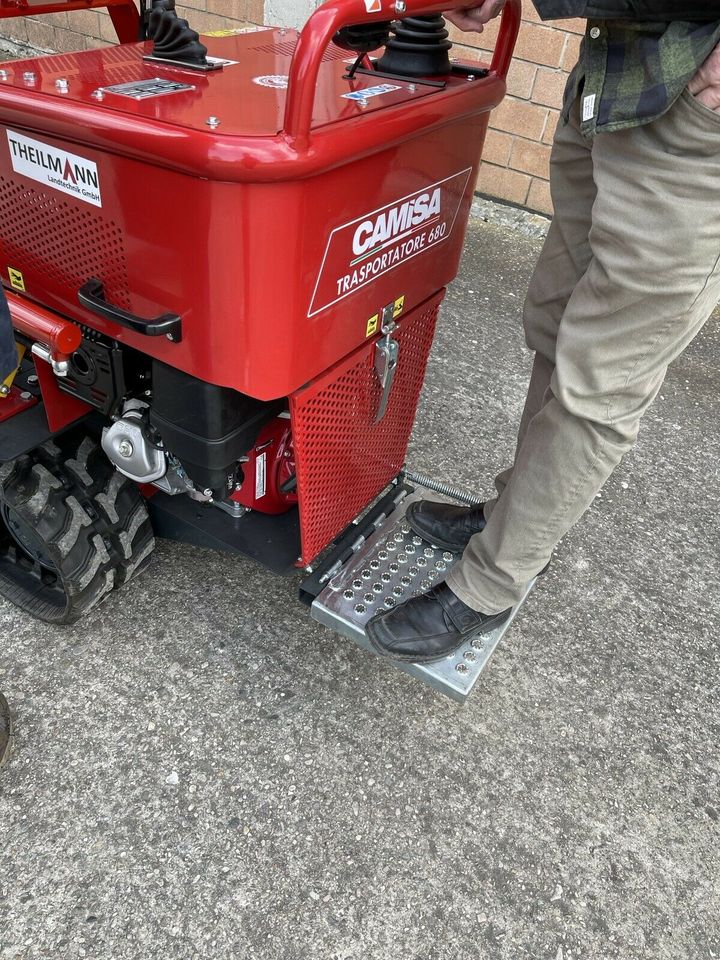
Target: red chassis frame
[{"x": 123, "y": 13}]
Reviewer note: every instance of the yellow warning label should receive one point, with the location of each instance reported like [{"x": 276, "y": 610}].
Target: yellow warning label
[
  {"x": 224, "y": 33},
  {"x": 372, "y": 325},
  {"x": 16, "y": 279},
  {"x": 398, "y": 307}
]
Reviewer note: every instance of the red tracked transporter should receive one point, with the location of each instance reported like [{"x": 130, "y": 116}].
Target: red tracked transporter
[{"x": 227, "y": 280}]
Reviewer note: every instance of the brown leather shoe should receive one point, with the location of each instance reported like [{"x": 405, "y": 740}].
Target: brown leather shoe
[{"x": 5, "y": 730}]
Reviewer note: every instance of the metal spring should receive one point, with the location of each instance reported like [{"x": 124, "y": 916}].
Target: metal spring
[{"x": 445, "y": 489}]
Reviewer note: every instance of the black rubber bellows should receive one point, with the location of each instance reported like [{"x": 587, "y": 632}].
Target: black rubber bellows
[
  {"x": 173, "y": 37},
  {"x": 419, "y": 47}
]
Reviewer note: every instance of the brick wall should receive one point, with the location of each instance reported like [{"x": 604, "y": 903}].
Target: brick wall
[
  {"x": 517, "y": 151},
  {"x": 92, "y": 28},
  {"x": 515, "y": 161}
]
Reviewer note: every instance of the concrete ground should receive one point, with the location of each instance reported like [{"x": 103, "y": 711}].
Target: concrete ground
[{"x": 202, "y": 772}]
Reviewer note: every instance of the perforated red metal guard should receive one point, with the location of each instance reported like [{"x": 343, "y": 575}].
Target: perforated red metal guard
[
  {"x": 345, "y": 459},
  {"x": 58, "y": 246}
]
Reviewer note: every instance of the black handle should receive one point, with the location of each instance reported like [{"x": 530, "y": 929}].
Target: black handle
[{"x": 92, "y": 296}]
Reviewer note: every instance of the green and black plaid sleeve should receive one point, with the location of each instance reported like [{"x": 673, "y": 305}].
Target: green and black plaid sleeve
[{"x": 631, "y": 73}]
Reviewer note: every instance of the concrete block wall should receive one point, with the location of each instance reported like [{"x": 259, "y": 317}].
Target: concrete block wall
[{"x": 515, "y": 164}]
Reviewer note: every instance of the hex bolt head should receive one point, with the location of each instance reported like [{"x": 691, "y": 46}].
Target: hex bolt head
[{"x": 125, "y": 449}]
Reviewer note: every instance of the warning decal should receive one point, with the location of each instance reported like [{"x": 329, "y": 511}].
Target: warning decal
[
  {"x": 17, "y": 280},
  {"x": 55, "y": 168},
  {"x": 376, "y": 243}
]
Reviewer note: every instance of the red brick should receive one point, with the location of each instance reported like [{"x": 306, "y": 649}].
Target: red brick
[
  {"x": 497, "y": 148},
  {"x": 551, "y": 125},
  {"x": 530, "y": 157},
  {"x": 505, "y": 184},
  {"x": 549, "y": 87},
  {"x": 541, "y": 45},
  {"x": 516, "y": 116},
  {"x": 538, "y": 197},
  {"x": 234, "y": 9},
  {"x": 571, "y": 53},
  {"x": 521, "y": 79}
]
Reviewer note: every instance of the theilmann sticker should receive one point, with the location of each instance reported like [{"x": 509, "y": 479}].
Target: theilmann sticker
[
  {"x": 70, "y": 174},
  {"x": 364, "y": 249}
]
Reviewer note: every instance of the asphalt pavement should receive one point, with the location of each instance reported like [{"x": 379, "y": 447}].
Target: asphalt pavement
[{"x": 202, "y": 773}]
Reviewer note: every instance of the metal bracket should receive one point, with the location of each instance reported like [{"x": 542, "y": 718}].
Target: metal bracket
[{"x": 387, "y": 354}]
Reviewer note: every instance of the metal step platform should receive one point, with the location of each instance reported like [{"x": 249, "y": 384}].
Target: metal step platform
[{"x": 391, "y": 566}]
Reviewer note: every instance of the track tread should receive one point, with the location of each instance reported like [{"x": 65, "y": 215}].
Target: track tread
[{"x": 92, "y": 519}]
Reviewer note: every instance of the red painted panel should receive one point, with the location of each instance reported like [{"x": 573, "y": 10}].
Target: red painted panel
[{"x": 15, "y": 403}]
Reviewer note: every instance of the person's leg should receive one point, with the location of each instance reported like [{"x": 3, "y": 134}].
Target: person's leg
[
  {"x": 653, "y": 280},
  {"x": 564, "y": 258}
]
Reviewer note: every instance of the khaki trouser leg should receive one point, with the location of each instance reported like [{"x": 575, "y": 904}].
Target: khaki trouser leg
[
  {"x": 564, "y": 259},
  {"x": 652, "y": 280}
]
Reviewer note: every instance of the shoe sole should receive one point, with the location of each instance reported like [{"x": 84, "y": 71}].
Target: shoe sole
[{"x": 491, "y": 625}]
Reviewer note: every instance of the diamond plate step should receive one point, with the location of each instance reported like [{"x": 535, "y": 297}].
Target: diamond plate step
[{"x": 392, "y": 566}]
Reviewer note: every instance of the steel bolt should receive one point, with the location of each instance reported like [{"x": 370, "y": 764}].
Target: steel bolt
[
  {"x": 4, "y": 74},
  {"x": 29, "y": 76},
  {"x": 98, "y": 94},
  {"x": 62, "y": 85},
  {"x": 400, "y": 6},
  {"x": 125, "y": 449},
  {"x": 213, "y": 122},
  {"x": 4, "y": 390}
]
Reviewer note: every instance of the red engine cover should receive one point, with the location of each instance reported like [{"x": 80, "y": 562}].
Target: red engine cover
[{"x": 270, "y": 484}]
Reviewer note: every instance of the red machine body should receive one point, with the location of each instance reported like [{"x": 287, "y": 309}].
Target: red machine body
[{"x": 269, "y": 215}]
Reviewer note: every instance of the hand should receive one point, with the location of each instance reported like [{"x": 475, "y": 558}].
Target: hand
[
  {"x": 473, "y": 19},
  {"x": 705, "y": 85}
]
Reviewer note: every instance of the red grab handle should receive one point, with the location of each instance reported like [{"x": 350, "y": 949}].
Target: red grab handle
[{"x": 331, "y": 16}]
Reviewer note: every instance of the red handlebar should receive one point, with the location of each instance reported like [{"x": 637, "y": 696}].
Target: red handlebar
[{"x": 331, "y": 16}]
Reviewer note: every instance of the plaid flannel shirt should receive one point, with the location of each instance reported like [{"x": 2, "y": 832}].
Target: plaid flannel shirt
[{"x": 632, "y": 73}]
